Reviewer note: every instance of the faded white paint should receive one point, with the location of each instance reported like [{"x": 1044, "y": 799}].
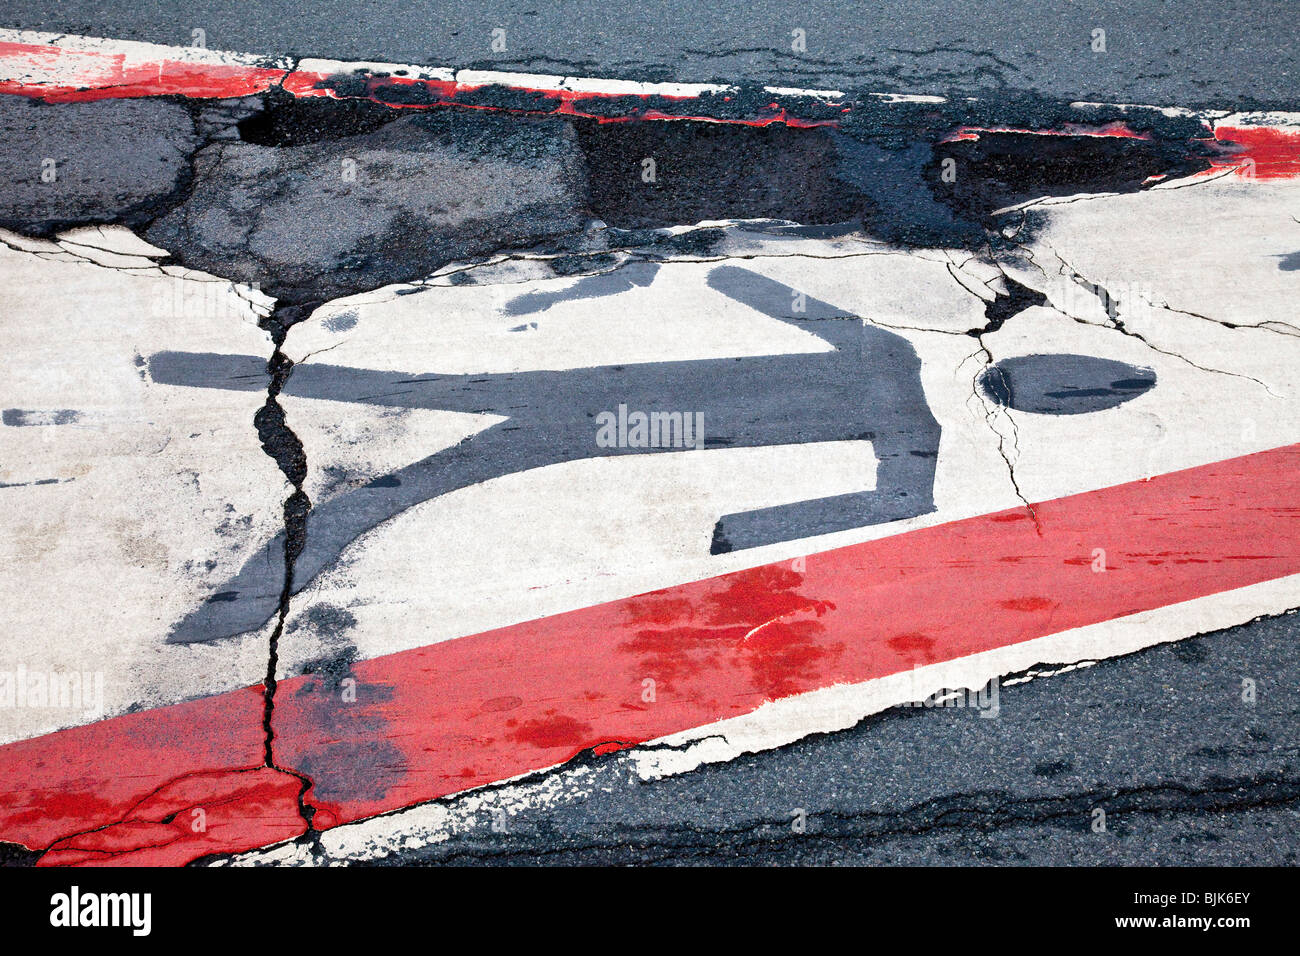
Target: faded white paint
[{"x": 156, "y": 495}]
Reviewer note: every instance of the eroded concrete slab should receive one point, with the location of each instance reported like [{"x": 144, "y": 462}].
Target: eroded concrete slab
[
  {"x": 111, "y": 161},
  {"x": 318, "y": 220}
]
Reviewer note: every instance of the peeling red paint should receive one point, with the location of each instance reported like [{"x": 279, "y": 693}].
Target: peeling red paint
[
  {"x": 87, "y": 75},
  {"x": 64, "y": 74},
  {"x": 610, "y": 747},
  {"x": 83, "y": 777},
  {"x": 1266, "y": 152},
  {"x": 127, "y": 787},
  {"x": 103, "y": 75},
  {"x": 443, "y": 93},
  {"x": 190, "y": 817}
]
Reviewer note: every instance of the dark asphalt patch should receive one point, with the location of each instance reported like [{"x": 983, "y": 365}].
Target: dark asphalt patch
[
  {"x": 325, "y": 218},
  {"x": 707, "y": 171},
  {"x": 1002, "y": 169},
  {"x": 1058, "y": 384},
  {"x": 316, "y": 198},
  {"x": 76, "y": 164},
  {"x": 291, "y": 121}
]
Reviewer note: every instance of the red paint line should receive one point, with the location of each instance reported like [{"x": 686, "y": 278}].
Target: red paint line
[
  {"x": 104, "y": 75},
  {"x": 143, "y": 773},
  {"x": 441, "y": 719},
  {"x": 443, "y": 93},
  {"x": 1266, "y": 152},
  {"x": 96, "y": 75},
  {"x": 192, "y": 816}
]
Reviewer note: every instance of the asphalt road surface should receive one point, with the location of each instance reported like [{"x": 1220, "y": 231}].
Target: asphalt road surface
[{"x": 1229, "y": 54}]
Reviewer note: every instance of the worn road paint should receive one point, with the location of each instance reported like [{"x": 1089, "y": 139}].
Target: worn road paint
[
  {"x": 866, "y": 387},
  {"x": 461, "y": 714},
  {"x": 1104, "y": 337},
  {"x": 64, "y": 68}
]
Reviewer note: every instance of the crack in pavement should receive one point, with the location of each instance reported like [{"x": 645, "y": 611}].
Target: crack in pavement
[
  {"x": 1113, "y": 308},
  {"x": 281, "y": 443},
  {"x": 1005, "y": 305}
]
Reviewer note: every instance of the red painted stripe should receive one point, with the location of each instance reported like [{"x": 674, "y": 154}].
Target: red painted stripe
[
  {"x": 549, "y": 102},
  {"x": 455, "y": 715},
  {"x": 123, "y": 790},
  {"x": 104, "y": 75}
]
